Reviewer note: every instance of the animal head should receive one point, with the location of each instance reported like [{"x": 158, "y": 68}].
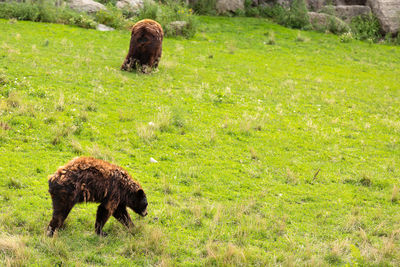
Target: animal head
[{"x": 138, "y": 202}]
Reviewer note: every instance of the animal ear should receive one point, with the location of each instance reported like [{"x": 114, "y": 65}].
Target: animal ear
[{"x": 140, "y": 193}]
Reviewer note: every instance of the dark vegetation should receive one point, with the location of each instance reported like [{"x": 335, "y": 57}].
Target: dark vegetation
[
  {"x": 365, "y": 27},
  {"x": 47, "y": 11}
]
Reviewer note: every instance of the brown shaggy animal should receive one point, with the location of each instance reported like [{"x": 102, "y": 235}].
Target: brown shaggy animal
[
  {"x": 145, "y": 47},
  {"x": 86, "y": 179}
]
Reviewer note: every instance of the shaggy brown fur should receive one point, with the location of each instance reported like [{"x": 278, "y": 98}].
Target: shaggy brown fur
[
  {"x": 145, "y": 47},
  {"x": 87, "y": 179}
]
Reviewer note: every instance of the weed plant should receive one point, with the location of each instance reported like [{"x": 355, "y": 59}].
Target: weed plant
[
  {"x": 366, "y": 27},
  {"x": 204, "y": 7}
]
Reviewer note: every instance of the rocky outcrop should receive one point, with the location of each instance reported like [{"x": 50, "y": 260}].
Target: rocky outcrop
[
  {"x": 130, "y": 4},
  {"x": 388, "y": 14},
  {"x": 346, "y": 13},
  {"x": 225, "y": 6},
  {"x": 88, "y": 6},
  {"x": 322, "y": 21}
]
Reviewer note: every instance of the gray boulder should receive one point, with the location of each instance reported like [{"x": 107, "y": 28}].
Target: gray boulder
[
  {"x": 346, "y": 13},
  {"x": 88, "y": 6},
  {"x": 130, "y": 4},
  {"x": 317, "y": 5},
  {"x": 354, "y": 2},
  {"x": 177, "y": 27},
  {"x": 322, "y": 22},
  {"x": 104, "y": 28},
  {"x": 388, "y": 14},
  {"x": 224, "y": 6}
]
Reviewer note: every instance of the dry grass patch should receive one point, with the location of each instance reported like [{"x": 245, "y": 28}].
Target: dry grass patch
[
  {"x": 60, "y": 104},
  {"x": 337, "y": 252},
  {"x": 13, "y": 251},
  {"x": 14, "y": 100},
  {"x": 167, "y": 189},
  {"x": 251, "y": 122},
  {"x": 395, "y": 193},
  {"x": 291, "y": 177},
  {"x": 61, "y": 131},
  {"x": 146, "y": 132},
  {"x": 76, "y": 146},
  {"x": 253, "y": 154},
  {"x": 163, "y": 119},
  {"x": 225, "y": 255},
  {"x": 4, "y": 126},
  {"x": 353, "y": 222},
  {"x": 100, "y": 153},
  {"x": 149, "y": 241}
]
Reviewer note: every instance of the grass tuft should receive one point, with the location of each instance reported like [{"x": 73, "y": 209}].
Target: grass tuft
[
  {"x": 395, "y": 193},
  {"x": 13, "y": 183},
  {"x": 146, "y": 132},
  {"x": 163, "y": 119}
]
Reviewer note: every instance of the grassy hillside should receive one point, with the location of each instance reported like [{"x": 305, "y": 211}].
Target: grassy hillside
[{"x": 267, "y": 154}]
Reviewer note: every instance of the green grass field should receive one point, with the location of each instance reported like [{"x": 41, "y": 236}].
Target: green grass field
[{"x": 283, "y": 154}]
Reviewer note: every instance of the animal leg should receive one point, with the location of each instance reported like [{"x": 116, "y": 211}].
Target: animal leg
[
  {"x": 60, "y": 213},
  {"x": 122, "y": 215},
  {"x": 125, "y": 65},
  {"x": 104, "y": 212}
]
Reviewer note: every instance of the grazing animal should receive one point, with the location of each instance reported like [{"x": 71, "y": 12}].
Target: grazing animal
[
  {"x": 145, "y": 47},
  {"x": 86, "y": 179}
]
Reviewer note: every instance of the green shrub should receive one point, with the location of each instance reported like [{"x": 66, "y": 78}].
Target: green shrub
[
  {"x": 336, "y": 25},
  {"x": 397, "y": 39},
  {"x": 296, "y": 16},
  {"x": 366, "y": 27},
  {"x": 45, "y": 12},
  {"x": 150, "y": 10},
  {"x": 168, "y": 12},
  {"x": 253, "y": 12},
  {"x": 276, "y": 12},
  {"x": 19, "y": 11},
  {"x": 82, "y": 20},
  {"x": 205, "y": 7},
  {"x": 112, "y": 17}
]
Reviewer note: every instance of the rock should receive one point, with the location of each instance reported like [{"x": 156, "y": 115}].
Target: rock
[
  {"x": 177, "y": 27},
  {"x": 346, "y": 13},
  {"x": 153, "y": 160},
  {"x": 322, "y": 21},
  {"x": 315, "y": 5},
  {"x": 388, "y": 14},
  {"x": 88, "y": 6},
  {"x": 224, "y": 6},
  {"x": 103, "y": 28},
  {"x": 265, "y": 2},
  {"x": 133, "y": 5},
  {"x": 354, "y": 2}
]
